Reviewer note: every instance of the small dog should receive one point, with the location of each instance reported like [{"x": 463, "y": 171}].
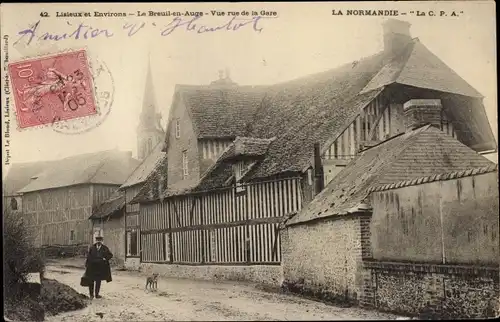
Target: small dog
[{"x": 152, "y": 281}]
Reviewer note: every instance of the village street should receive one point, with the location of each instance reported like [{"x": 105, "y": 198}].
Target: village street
[{"x": 124, "y": 299}]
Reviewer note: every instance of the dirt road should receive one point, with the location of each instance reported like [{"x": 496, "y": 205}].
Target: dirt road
[{"x": 125, "y": 299}]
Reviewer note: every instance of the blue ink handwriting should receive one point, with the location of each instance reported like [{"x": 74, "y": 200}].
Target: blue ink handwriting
[{"x": 85, "y": 31}]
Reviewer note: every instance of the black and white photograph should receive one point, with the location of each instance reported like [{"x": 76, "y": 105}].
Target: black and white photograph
[{"x": 250, "y": 161}]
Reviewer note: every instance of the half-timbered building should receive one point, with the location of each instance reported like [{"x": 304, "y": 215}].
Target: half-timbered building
[
  {"x": 18, "y": 176},
  {"x": 150, "y": 140},
  {"x": 242, "y": 158},
  {"x": 59, "y": 200}
]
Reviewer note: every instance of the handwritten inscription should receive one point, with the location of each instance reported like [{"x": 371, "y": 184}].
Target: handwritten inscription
[
  {"x": 189, "y": 23},
  {"x": 81, "y": 31}
]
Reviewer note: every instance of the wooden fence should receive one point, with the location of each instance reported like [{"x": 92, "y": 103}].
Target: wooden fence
[{"x": 220, "y": 226}]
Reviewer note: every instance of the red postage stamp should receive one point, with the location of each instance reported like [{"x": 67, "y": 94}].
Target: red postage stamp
[{"x": 52, "y": 89}]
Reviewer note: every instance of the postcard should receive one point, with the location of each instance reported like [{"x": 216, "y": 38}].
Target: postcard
[{"x": 271, "y": 155}]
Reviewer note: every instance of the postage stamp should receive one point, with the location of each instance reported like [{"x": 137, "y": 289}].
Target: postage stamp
[
  {"x": 104, "y": 89},
  {"x": 52, "y": 89}
]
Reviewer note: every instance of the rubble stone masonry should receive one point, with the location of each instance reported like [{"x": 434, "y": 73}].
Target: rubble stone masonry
[
  {"x": 323, "y": 259},
  {"x": 432, "y": 291}
]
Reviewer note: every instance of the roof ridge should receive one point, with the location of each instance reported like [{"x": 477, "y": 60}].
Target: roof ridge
[
  {"x": 141, "y": 163},
  {"x": 408, "y": 140},
  {"x": 404, "y": 52},
  {"x": 436, "y": 177},
  {"x": 102, "y": 163},
  {"x": 413, "y": 132}
]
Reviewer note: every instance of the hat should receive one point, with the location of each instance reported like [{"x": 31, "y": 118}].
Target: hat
[{"x": 98, "y": 238}]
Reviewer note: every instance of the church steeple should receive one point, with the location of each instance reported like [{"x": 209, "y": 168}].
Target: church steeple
[{"x": 149, "y": 130}]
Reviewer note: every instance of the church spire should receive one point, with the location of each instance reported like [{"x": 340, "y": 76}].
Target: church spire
[
  {"x": 149, "y": 130},
  {"x": 148, "y": 113}
]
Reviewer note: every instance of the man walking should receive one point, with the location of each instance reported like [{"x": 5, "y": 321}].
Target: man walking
[{"x": 97, "y": 266}]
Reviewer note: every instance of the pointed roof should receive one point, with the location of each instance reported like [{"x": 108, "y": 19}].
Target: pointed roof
[
  {"x": 320, "y": 106},
  {"x": 149, "y": 118},
  {"x": 110, "y": 206},
  {"x": 425, "y": 151},
  {"x": 142, "y": 172},
  {"x": 421, "y": 68},
  {"x": 155, "y": 185},
  {"x": 20, "y": 174},
  {"x": 103, "y": 167}
]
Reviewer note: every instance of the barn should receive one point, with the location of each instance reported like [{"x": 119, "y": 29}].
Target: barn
[
  {"x": 58, "y": 201},
  {"x": 18, "y": 176}
]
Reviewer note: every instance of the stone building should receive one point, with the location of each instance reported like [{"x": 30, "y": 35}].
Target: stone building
[
  {"x": 382, "y": 211},
  {"x": 257, "y": 154}
]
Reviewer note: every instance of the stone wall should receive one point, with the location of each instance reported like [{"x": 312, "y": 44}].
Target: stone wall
[
  {"x": 132, "y": 263},
  {"x": 271, "y": 275},
  {"x": 114, "y": 237},
  {"x": 452, "y": 221},
  {"x": 323, "y": 258},
  {"x": 432, "y": 291}
]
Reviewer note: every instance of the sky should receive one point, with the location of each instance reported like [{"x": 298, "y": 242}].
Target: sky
[{"x": 303, "y": 39}]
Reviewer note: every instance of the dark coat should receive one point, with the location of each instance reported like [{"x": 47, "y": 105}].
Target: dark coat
[{"x": 97, "y": 264}]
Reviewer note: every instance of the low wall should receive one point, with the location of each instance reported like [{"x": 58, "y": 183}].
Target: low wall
[
  {"x": 58, "y": 251},
  {"x": 432, "y": 291},
  {"x": 270, "y": 275},
  {"x": 323, "y": 258},
  {"x": 132, "y": 263}
]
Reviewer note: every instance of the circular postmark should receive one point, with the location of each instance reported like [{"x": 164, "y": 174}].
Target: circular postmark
[
  {"x": 104, "y": 90},
  {"x": 70, "y": 91}
]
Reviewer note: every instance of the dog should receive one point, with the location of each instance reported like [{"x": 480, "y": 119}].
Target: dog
[{"x": 152, "y": 281}]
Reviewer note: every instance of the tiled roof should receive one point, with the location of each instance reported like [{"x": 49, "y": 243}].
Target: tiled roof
[
  {"x": 114, "y": 203},
  {"x": 315, "y": 108},
  {"x": 221, "y": 111},
  {"x": 421, "y": 68},
  {"x": 20, "y": 174},
  {"x": 104, "y": 167},
  {"x": 318, "y": 108},
  {"x": 155, "y": 184},
  {"x": 141, "y": 173},
  {"x": 436, "y": 177},
  {"x": 245, "y": 146},
  {"x": 425, "y": 151}
]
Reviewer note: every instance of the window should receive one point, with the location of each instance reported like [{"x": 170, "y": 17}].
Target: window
[
  {"x": 185, "y": 170},
  {"x": 177, "y": 128},
  {"x": 132, "y": 243},
  {"x": 13, "y": 203},
  {"x": 239, "y": 170},
  {"x": 167, "y": 246},
  {"x": 309, "y": 177},
  {"x": 72, "y": 235},
  {"x": 150, "y": 146}
]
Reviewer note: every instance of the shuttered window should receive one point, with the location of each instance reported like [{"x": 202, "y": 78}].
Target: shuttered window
[{"x": 185, "y": 170}]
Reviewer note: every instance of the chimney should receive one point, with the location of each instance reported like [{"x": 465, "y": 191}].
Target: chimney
[
  {"x": 396, "y": 35},
  {"x": 318, "y": 168},
  {"x": 228, "y": 73},
  {"x": 239, "y": 146},
  {"x": 221, "y": 74},
  {"x": 419, "y": 112}
]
